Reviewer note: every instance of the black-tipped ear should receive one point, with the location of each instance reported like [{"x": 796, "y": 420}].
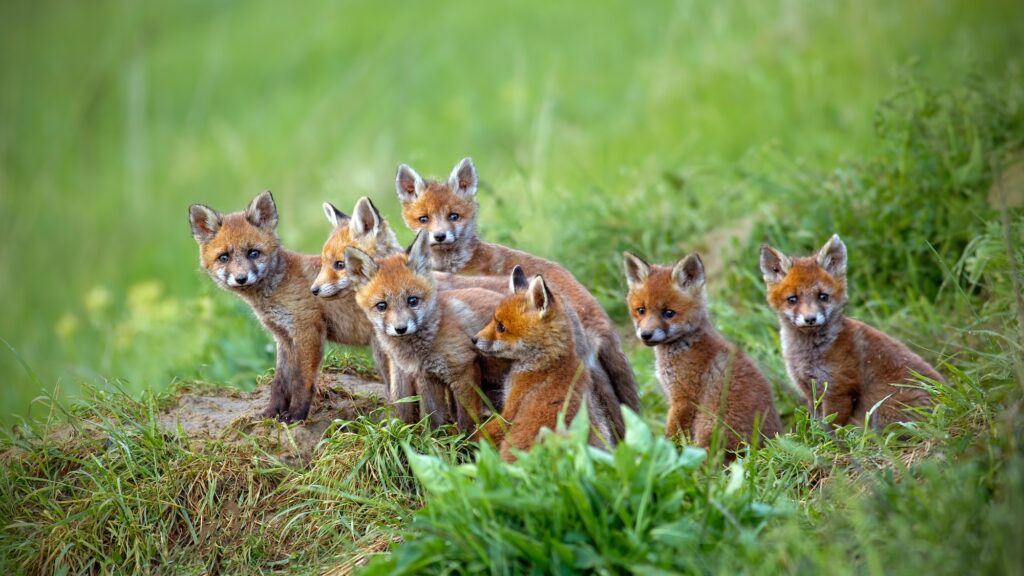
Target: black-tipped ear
[
  {"x": 365, "y": 218},
  {"x": 688, "y": 273},
  {"x": 539, "y": 295},
  {"x": 419, "y": 254},
  {"x": 408, "y": 184},
  {"x": 462, "y": 180},
  {"x": 636, "y": 269},
  {"x": 205, "y": 222},
  {"x": 832, "y": 257},
  {"x": 262, "y": 211},
  {"x": 774, "y": 264},
  {"x": 360, "y": 266},
  {"x": 517, "y": 281},
  {"x": 336, "y": 217}
]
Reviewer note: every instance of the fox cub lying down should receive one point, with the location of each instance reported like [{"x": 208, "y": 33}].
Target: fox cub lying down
[
  {"x": 709, "y": 382},
  {"x": 852, "y": 368}
]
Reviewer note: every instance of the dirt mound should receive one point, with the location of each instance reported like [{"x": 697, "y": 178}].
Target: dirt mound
[{"x": 234, "y": 416}]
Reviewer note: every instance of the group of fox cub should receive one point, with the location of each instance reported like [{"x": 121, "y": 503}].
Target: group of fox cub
[{"x": 473, "y": 327}]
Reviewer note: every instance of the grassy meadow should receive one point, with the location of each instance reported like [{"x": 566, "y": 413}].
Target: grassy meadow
[{"x": 660, "y": 127}]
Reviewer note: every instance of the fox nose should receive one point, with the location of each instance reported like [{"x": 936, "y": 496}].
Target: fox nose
[
  {"x": 315, "y": 290},
  {"x": 439, "y": 236},
  {"x": 646, "y": 336},
  {"x": 240, "y": 280},
  {"x": 473, "y": 339},
  {"x": 401, "y": 330},
  {"x": 810, "y": 320}
]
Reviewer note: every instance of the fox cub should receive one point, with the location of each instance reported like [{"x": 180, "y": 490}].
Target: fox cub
[
  {"x": 242, "y": 254},
  {"x": 695, "y": 364},
  {"x": 426, "y": 334},
  {"x": 848, "y": 365},
  {"x": 447, "y": 211},
  {"x": 532, "y": 328}
]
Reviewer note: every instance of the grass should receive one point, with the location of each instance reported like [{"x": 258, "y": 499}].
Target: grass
[{"x": 661, "y": 130}]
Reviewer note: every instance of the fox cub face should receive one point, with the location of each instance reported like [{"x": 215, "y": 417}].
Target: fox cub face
[
  {"x": 236, "y": 249},
  {"x": 445, "y": 209},
  {"x": 525, "y": 324},
  {"x": 665, "y": 302},
  {"x": 397, "y": 293},
  {"x": 365, "y": 230},
  {"x": 807, "y": 292}
]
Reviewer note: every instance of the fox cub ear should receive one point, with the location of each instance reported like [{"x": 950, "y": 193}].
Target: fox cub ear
[
  {"x": 360, "y": 266},
  {"x": 205, "y": 222},
  {"x": 539, "y": 295},
  {"x": 336, "y": 217},
  {"x": 832, "y": 257},
  {"x": 688, "y": 274},
  {"x": 462, "y": 180},
  {"x": 774, "y": 264},
  {"x": 408, "y": 184},
  {"x": 637, "y": 270},
  {"x": 419, "y": 254},
  {"x": 365, "y": 218},
  {"x": 517, "y": 281},
  {"x": 262, "y": 212}
]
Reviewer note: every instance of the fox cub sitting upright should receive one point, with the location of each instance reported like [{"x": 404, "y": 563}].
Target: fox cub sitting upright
[
  {"x": 533, "y": 328},
  {"x": 447, "y": 210},
  {"x": 848, "y": 365},
  {"x": 242, "y": 254},
  {"x": 694, "y": 362},
  {"x": 426, "y": 333}
]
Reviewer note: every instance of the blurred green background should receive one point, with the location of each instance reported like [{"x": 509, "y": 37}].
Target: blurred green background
[{"x": 594, "y": 128}]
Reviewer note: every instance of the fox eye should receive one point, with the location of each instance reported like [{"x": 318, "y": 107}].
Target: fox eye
[
  {"x": 223, "y": 257},
  {"x": 667, "y": 313},
  {"x": 382, "y": 306},
  {"x": 791, "y": 299},
  {"x": 822, "y": 296},
  {"x": 641, "y": 311},
  {"x": 500, "y": 328},
  {"x": 413, "y": 301},
  {"x": 424, "y": 219},
  {"x": 253, "y": 254},
  {"x": 339, "y": 264},
  {"x": 453, "y": 217}
]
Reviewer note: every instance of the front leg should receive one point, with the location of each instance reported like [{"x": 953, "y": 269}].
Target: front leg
[
  {"x": 401, "y": 386},
  {"x": 840, "y": 404},
  {"x": 383, "y": 364},
  {"x": 279, "y": 391},
  {"x": 307, "y": 356},
  {"x": 468, "y": 397},
  {"x": 434, "y": 398},
  {"x": 680, "y": 418}
]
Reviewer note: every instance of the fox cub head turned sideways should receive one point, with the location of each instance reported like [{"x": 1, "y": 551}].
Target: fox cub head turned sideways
[
  {"x": 398, "y": 292},
  {"x": 445, "y": 209},
  {"x": 810, "y": 292},
  {"x": 366, "y": 230},
  {"x": 666, "y": 303},
  {"x": 237, "y": 250},
  {"x": 529, "y": 325}
]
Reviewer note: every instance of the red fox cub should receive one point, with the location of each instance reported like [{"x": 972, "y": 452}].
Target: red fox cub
[
  {"x": 695, "y": 364},
  {"x": 242, "y": 254},
  {"x": 425, "y": 333},
  {"x": 447, "y": 211},
  {"x": 531, "y": 328},
  {"x": 848, "y": 365}
]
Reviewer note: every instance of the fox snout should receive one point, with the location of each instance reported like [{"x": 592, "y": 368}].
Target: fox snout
[
  {"x": 808, "y": 319},
  {"x": 651, "y": 337},
  {"x": 442, "y": 237},
  {"x": 400, "y": 328}
]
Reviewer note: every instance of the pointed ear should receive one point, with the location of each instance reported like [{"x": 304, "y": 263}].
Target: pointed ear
[
  {"x": 360, "y": 266},
  {"x": 419, "y": 254},
  {"x": 832, "y": 257},
  {"x": 205, "y": 222},
  {"x": 463, "y": 178},
  {"x": 637, "y": 270},
  {"x": 774, "y": 264},
  {"x": 336, "y": 217},
  {"x": 517, "y": 281},
  {"x": 688, "y": 274},
  {"x": 262, "y": 212},
  {"x": 365, "y": 218},
  {"x": 408, "y": 184},
  {"x": 538, "y": 294}
]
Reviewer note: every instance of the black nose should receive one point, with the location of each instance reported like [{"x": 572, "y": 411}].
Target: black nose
[
  {"x": 473, "y": 340},
  {"x": 810, "y": 320},
  {"x": 646, "y": 336},
  {"x": 402, "y": 329},
  {"x": 440, "y": 236},
  {"x": 315, "y": 290},
  {"x": 240, "y": 280}
]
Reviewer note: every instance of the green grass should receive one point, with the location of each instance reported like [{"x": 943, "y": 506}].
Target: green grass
[{"x": 653, "y": 128}]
